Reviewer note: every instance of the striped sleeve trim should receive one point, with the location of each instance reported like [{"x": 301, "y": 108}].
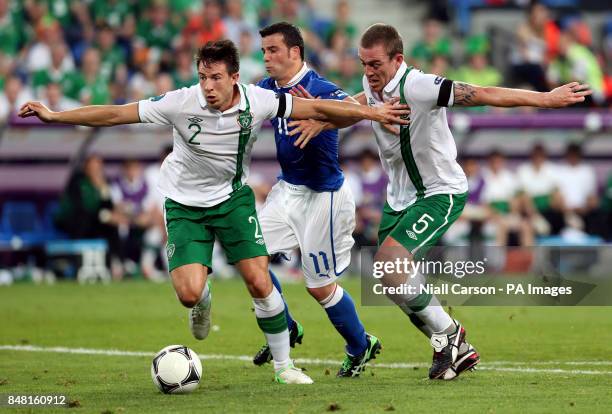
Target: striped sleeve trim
[
  {"x": 285, "y": 105},
  {"x": 445, "y": 93}
]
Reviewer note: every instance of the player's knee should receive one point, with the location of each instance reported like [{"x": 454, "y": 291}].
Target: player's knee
[
  {"x": 384, "y": 255},
  {"x": 189, "y": 281},
  {"x": 259, "y": 286},
  {"x": 188, "y": 297},
  {"x": 188, "y": 294},
  {"x": 321, "y": 293}
]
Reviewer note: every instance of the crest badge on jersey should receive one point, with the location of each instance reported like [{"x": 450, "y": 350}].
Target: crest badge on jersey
[
  {"x": 170, "y": 250},
  {"x": 245, "y": 120}
]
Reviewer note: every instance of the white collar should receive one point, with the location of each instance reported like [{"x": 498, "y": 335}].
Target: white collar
[
  {"x": 243, "y": 99},
  {"x": 296, "y": 79},
  {"x": 201, "y": 98},
  {"x": 396, "y": 79},
  {"x": 242, "y": 105}
]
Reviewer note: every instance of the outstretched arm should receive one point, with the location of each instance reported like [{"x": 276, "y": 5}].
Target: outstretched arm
[
  {"x": 307, "y": 129},
  {"x": 470, "y": 95},
  {"x": 340, "y": 111},
  {"x": 301, "y": 92},
  {"x": 93, "y": 116}
]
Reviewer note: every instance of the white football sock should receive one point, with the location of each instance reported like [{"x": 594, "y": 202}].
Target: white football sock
[
  {"x": 266, "y": 308},
  {"x": 436, "y": 318}
]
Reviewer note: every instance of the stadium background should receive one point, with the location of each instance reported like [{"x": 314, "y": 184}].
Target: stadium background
[
  {"x": 69, "y": 53},
  {"x": 93, "y": 343}
]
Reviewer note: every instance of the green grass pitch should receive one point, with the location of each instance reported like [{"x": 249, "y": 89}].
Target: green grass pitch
[{"x": 533, "y": 359}]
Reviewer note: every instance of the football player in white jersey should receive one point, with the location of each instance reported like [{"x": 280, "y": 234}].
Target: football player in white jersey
[
  {"x": 427, "y": 188},
  {"x": 215, "y": 123}
]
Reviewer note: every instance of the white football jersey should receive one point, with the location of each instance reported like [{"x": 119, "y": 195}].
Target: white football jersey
[
  {"x": 212, "y": 149},
  {"x": 499, "y": 187},
  {"x": 422, "y": 161},
  {"x": 543, "y": 181}
]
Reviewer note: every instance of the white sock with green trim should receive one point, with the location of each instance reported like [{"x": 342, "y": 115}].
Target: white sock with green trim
[{"x": 270, "y": 313}]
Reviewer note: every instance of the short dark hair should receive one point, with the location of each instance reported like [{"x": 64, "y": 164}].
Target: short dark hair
[
  {"x": 368, "y": 153},
  {"x": 383, "y": 34},
  {"x": 224, "y": 51},
  {"x": 291, "y": 35},
  {"x": 574, "y": 148},
  {"x": 538, "y": 147},
  {"x": 533, "y": 4},
  {"x": 104, "y": 26}
]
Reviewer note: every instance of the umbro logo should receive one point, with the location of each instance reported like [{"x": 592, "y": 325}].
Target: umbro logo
[
  {"x": 195, "y": 120},
  {"x": 371, "y": 101},
  {"x": 411, "y": 234}
]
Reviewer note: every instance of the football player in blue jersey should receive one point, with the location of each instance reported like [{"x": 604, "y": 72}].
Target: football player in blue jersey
[{"x": 311, "y": 208}]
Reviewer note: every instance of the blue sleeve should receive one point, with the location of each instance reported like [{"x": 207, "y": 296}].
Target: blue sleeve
[
  {"x": 264, "y": 83},
  {"x": 338, "y": 95},
  {"x": 329, "y": 90}
]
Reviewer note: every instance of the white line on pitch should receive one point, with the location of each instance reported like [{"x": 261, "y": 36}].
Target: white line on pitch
[{"x": 488, "y": 366}]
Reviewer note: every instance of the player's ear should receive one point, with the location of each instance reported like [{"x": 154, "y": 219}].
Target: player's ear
[
  {"x": 294, "y": 52},
  {"x": 235, "y": 78},
  {"x": 398, "y": 59}
]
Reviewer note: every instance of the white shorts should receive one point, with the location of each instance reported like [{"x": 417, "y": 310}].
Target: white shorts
[{"x": 320, "y": 224}]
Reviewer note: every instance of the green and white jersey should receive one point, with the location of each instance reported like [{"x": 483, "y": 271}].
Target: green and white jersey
[
  {"x": 422, "y": 161},
  {"x": 212, "y": 149}
]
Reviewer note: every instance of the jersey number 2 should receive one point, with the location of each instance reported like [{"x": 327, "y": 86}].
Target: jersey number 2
[
  {"x": 252, "y": 219},
  {"x": 197, "y": 128}
]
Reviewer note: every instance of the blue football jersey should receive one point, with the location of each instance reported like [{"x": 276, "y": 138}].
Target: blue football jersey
[{"x": 316, "y": 166}]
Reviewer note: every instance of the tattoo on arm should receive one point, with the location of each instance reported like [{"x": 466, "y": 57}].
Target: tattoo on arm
[{"x": 464, "y": 94}]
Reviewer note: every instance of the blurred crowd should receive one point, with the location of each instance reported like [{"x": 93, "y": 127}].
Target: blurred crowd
[
  {"x": 535, "y": 202},
  {"x": 546, "y": 50},
  {"x": 126, "y": 211},
  {"x": 68, "y": 52},
  {"x": 527, "y": 204}
]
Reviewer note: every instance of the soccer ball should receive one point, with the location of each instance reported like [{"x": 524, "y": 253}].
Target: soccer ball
[{"x": 176, "y": 369}]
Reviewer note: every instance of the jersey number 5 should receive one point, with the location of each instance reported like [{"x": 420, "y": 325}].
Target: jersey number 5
[{"x": 423, "y": 223}]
